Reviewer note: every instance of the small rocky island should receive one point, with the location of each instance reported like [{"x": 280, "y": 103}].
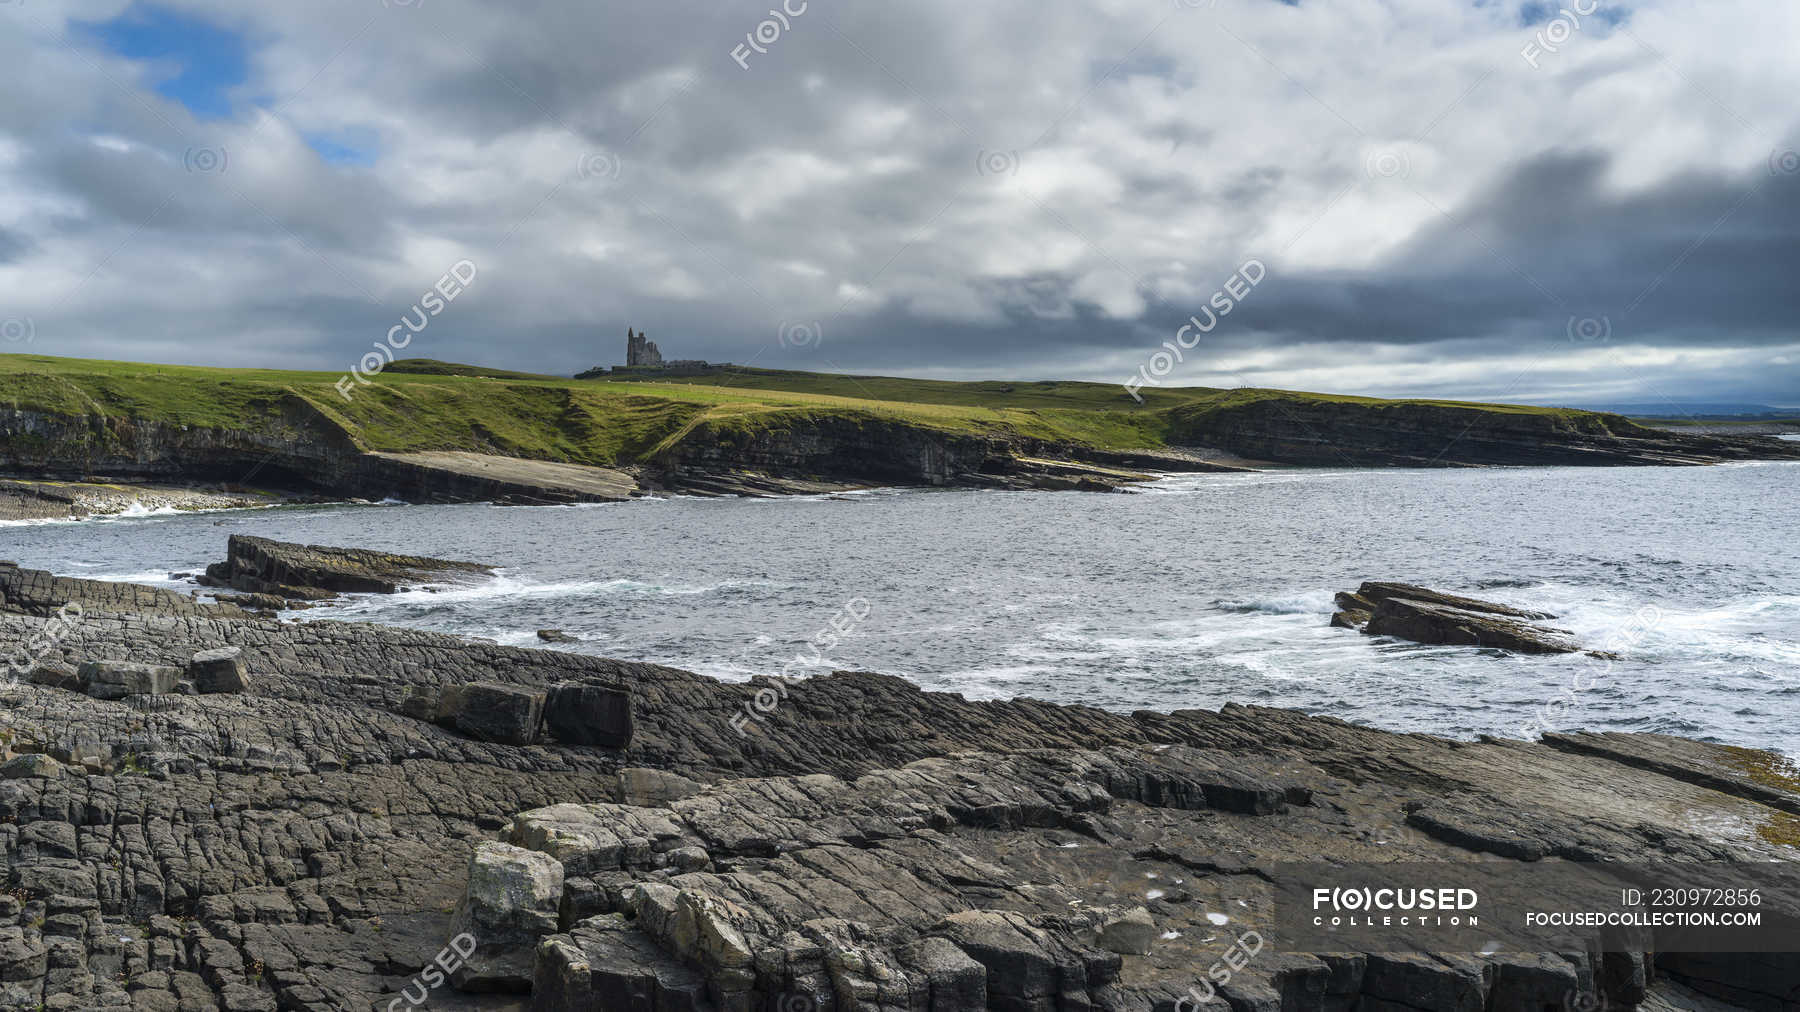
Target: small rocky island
[
  {"x": 201, "y": 808},
  {"x": 276, "y": 573},
  {"x": 1409, "y": 612}
]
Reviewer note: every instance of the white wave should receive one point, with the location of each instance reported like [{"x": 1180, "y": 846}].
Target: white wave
[
  {"x": 151, "y": 577},
  {"x": 1305, "y": 602},
  {"x": 505, "y": 586},
  {"x": 134, "y": 511}
]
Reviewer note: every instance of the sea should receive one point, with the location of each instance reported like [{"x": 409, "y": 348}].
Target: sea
[{"x": 1193, "y": 591}]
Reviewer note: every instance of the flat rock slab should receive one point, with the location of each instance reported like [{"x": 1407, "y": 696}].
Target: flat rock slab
[
  {"x": 1409, "y": 612},
  {"x": 263, "y": 566},
  {"x": 559, "y": 481}
]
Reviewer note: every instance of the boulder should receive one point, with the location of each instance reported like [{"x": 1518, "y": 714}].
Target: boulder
[
  {"x": 956, "y": 981},
  {"x": 1130, "y": 934},
  {"x": 556, "y": 636},
  {"x": 30, "y": 766},
  {"x": 55, "y": 675},
  {"x": 509, "y": 904},
  {"x": 494, "y": 711},
  {"x": 220, "y": 670},
  {"x": 118, "y": 679},
  {"x": 590, "y": 715},
  {"x": 422, "y": 702}
]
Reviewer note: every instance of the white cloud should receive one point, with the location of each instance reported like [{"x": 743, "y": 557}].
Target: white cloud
[{"x": 1379, "y": 155}]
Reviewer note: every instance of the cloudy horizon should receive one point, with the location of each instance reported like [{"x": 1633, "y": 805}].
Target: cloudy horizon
[{"x": 1585, "y": 203}]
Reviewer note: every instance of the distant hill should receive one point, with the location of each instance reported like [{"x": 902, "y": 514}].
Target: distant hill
[{"x": 1698, "y": 410}]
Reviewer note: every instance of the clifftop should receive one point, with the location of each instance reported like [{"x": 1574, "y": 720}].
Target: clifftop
[{"x": 73, "y": 419}]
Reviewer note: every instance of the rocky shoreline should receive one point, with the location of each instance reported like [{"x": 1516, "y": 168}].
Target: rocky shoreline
[
  {"x": 206, "y": 809},
  {"x": 22, "y": 499}
]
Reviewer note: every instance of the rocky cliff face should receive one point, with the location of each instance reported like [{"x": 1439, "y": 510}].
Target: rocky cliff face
[
  {"x": 1323, "y": 433},
  {"x": 296, "y": 448},
  {"x": 299, "y": 448}
]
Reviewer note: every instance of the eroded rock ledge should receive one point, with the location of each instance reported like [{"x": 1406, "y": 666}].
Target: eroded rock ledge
[
  {"x": 304, "y": 840},
  {"x": 1410, "y": 612},
  {"x": 314, "y": 572}
]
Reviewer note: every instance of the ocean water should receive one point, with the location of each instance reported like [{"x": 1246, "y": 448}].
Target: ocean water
[{"x": 1195, "y": 591}]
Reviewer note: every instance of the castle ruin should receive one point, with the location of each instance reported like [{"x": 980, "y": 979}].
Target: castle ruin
[{"x": 640, "y": 351}]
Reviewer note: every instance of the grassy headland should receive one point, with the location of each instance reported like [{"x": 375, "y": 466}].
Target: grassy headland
[
  {"x": 420, "y": 404},
  {"x": 754, "y": 418}
]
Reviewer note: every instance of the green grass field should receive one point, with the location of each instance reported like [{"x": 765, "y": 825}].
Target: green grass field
[{"x": 424, "y": 405}]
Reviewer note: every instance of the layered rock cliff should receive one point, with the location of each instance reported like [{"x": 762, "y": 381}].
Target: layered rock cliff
[
  {"x": 1353, "y": 433},
  {"x": 291, "y": 444}
]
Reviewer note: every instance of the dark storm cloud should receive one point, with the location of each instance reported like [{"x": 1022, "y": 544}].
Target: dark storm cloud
[{"x": 1014, "y": 189}]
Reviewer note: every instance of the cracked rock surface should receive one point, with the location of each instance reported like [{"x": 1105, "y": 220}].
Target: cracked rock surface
[{"x": 307, "y": 842}]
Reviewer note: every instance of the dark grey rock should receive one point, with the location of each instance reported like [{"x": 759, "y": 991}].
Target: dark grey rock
[
  {"x": 56, "y": 675},
  {"x": 219, "y": 670},
  {"x": 491, "y": 711},
  {"x": 590, "y": 715},
  {"x": 118, "y": 679}
]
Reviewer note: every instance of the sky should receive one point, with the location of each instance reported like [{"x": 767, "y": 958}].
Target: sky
[{"x": 1582, "y": 203}]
